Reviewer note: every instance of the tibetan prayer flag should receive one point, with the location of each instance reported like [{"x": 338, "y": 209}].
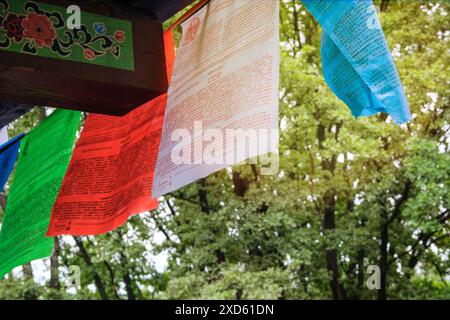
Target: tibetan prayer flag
[
  {"x": 8, "y": 156},
  {"x": 357, "y": 63},
  {"x": 111, "y": 172},
  {"x": 223, "y": 97},
  {"x": 10, "y": 112},
  {"x": 43, "y": 159}
]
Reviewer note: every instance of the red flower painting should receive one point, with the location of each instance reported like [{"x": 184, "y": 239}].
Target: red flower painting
[
  {"x": 120, "y": 36},
  {"x": 13, "y": 27},
  {"x": 89, "y": 54},
  {"x": 39, "y": 28}
]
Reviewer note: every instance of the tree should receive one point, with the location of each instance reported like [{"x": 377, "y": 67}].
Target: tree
[{"x": 350, "y": 194}]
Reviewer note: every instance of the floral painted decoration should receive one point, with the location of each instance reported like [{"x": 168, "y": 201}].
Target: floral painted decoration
[
  {"x": 40, "y": 29},
  {"x": 13, "y": 26},
  {"x": 36, "y": 28},
  {"x": 100, "y": 28}
]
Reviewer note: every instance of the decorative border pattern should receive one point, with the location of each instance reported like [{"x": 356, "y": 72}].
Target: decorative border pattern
[{"x": 40, "y": 29}]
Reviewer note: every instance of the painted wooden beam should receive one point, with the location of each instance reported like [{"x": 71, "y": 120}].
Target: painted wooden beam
[{"x": 111, "y": 65}]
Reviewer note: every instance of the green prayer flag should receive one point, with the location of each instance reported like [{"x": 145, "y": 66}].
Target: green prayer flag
[{"x": 43, "y": 160}]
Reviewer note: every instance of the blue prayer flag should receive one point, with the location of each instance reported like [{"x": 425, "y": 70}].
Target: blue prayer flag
[
  {"x": 8, "y": 156},
  {"x": 357, "y": 63}
]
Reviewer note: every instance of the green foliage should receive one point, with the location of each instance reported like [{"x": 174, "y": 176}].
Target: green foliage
[{"x": 350, "y": 193}]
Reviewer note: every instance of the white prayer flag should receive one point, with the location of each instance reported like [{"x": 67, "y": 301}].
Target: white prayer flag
[{"x": 223, "y": 98}]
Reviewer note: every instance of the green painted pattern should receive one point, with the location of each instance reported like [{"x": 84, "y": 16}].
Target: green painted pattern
[{"x": 39, "y": 29}]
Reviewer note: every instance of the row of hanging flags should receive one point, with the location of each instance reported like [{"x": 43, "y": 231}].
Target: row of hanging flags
[{"x": 225, "y": 76}]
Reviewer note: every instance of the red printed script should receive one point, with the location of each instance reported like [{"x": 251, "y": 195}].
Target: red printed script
[{"x": 111, "y": 171}]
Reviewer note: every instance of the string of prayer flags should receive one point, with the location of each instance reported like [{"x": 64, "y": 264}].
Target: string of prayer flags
[
  {"x": 8, "y": 156},
  {"x": 10, "y": 112},
  {"x": 357, "y": 63},
  {"x": 111, "y": 172},
  {"x": 43, "y": 159},
  {"x": 223, "y": 93}
]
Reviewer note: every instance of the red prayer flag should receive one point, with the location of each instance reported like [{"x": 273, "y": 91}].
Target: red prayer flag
[{"x": 111, "y": 171}]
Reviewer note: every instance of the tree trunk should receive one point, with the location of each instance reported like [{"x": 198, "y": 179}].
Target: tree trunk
[
  {"x": 27, "y": 270},
  {"x": 360, "y": 262},
  {"x": 87, "y": 259},
  {"x": 384, "y": 5},
  {"x": 112, "y": 279},
  {"x": 329, "y": 224},
  {"x": 126, "y": 277},
  {"x": 386, "y": 220},
  {"x": 329, "y": 218},
  {"x": 204, "y": 206},
  {"x": 240, "y": 184},
  {"x": 54, "y": 266},
  {"x": 28, "y": 275},
  {"x": 203, "y": 196},
  {"x": 384, "y": 236}
]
